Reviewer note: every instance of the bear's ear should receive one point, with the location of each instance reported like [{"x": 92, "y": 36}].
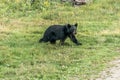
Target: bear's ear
[
  {"x": 76, "y": 24},
  {"x": 68, "y": 25}
]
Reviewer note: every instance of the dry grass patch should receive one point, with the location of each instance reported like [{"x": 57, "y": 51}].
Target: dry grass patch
[
  {"x": 110, "y": 32},
  {"x": 114, "y": 30}
]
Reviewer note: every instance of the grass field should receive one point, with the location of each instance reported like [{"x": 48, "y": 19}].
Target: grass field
[{"x": 23, "y": 58}]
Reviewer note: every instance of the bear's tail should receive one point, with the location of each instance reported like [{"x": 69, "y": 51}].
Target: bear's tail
[{"x": 41, "y": 40}]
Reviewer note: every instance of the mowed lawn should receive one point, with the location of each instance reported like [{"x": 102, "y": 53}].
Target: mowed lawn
[{"x": 23, "y": 58}]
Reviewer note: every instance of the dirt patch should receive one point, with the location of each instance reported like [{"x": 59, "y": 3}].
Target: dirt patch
[{"x": 112, "y": 73}]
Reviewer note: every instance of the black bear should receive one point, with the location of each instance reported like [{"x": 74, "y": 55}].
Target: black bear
[{"x": 60, "y": 32}]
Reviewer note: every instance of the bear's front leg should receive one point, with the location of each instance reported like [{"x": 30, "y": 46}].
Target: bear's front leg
[{"x": 73, "y": 38}]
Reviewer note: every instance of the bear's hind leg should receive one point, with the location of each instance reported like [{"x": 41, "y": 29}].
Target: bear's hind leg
[
  {"x": 52, "y": 38},
  {"x": 52, "y": 41},
  {"x": 62, "y": 41}
]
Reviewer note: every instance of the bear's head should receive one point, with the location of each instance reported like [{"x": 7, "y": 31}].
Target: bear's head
[{"x": 71, "y": 29}]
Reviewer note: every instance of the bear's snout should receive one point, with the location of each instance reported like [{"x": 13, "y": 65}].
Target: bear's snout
[{"x": 74, "y": 32}]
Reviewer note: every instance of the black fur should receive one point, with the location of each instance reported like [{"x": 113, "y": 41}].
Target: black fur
[{"x": 60, "y": 32}]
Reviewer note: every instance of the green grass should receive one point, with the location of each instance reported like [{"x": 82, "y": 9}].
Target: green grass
[{"x": 23, "y": 58}]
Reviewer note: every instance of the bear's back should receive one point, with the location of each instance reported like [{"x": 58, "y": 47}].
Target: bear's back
[
  {"x": 58, "y": 30},
  {"x": 55, "y": 28}
]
